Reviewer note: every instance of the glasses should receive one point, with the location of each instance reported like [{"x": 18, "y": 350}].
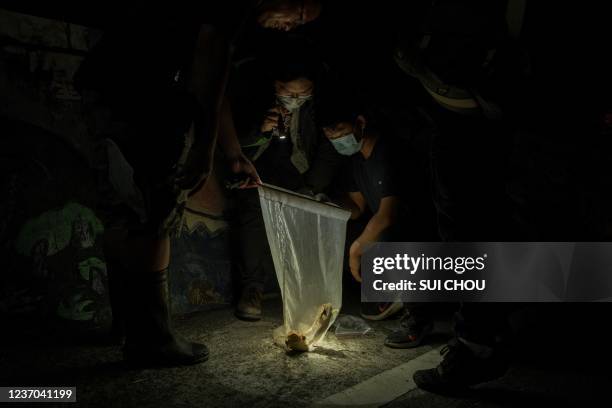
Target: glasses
[{"x": 295, "y": 96}]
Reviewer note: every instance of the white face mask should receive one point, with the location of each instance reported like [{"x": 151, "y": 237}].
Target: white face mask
[
  {"x": 347, "y": 145},
  {"x": 292, "y": 103}
]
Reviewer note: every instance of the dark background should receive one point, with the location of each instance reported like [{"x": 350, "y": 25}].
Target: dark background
[{"x": 554, "y": 170}]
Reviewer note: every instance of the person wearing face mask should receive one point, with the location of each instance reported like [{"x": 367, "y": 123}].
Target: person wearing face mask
[
  {"x": 382, "y": 180},
  {"x": 282, "y": 138}
]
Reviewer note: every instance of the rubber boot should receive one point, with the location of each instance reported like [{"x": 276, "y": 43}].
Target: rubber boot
[
  {"x": 116, "y": 292},
  {"x": 249, "y": 305},
  {"x": 149, "y": 337}
]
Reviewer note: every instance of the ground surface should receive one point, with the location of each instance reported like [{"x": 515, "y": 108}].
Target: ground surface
[{"x": 246, "y": 369}]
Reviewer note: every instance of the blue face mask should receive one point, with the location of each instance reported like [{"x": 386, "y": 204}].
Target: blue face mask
[{"x": 347, "y": 144}]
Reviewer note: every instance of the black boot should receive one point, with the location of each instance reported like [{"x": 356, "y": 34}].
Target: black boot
[
  {"x": 460, "y": 369},
  {"x": 149, "y": 338},
  {"x": 116, "y": 291},
  {"x": 249, "y": 305}
]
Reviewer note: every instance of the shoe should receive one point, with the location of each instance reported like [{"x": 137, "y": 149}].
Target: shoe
[
  {"x": 411, "y": 333},
  {"x": 177, "y": 352},
  {"x": 149, "y": 339},
  {"x": 460, "y": 369},
  {"x": 249, "y": 306},
  {"x": 380, "y": 311}
]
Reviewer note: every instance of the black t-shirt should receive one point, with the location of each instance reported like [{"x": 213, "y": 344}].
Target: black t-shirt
[
  {"x": 376, "y": 176},
  {"x": 392, "y": 171}
]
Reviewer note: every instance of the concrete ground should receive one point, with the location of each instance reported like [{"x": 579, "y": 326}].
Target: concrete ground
[{"x": 247, "y": 369}]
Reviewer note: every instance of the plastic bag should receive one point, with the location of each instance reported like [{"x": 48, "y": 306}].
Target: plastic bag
[
  {"x": 306, "y": 239},
  {"x": 351, "y": 326}
]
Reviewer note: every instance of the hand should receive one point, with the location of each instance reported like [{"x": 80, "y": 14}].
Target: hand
[
  {"x": 271, "y": 119},
  {"x": 322, "y": 197},
  {"x": 241, "y": 165},
  {"x": 355, "y": 260},
  {"x": 305, "y": 190}
]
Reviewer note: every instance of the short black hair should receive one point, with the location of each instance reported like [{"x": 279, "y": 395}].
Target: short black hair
[
  {"x": 339, "y": 106},
  {"x": 294, "y": 58},
  {"x": 265, "y": 5},
  {"x": 289, "y": 70}
]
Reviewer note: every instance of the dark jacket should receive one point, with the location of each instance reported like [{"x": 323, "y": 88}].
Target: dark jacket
[{"x": 272, "y": 159}]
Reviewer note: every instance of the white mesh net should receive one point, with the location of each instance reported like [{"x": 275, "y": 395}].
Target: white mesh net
[{"x": 306, "y": 238}]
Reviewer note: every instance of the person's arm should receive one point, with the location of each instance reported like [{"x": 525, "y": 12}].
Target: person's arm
[
  {"x": 384, "y": 218},
  {"x": 354, "y": 202},
  {"x": 229, "y": 144},
  {"x": 209, "y": 69},
  {"x": 207, "y": 81},
  {"x": 260, "y": 133}
]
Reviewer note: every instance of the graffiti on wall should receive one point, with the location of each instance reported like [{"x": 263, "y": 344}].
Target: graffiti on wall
[{"x": 66, "y": 264}]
